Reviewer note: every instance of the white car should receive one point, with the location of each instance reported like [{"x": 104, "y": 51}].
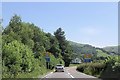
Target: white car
[{"x": 59, "y": 67}]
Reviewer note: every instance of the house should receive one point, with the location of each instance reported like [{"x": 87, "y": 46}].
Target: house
[{"x": 76, "y": 61}]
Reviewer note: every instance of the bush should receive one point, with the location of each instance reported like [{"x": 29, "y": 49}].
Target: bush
[
  {"x": 17, "y": 57},
  {"x": 112, "y": 68},
  {"x": 91, "y": 68},
  {"x": 81, "y": 67},
  {"x": 107, "y": 69},
  {"x": 88, "y": 70}
]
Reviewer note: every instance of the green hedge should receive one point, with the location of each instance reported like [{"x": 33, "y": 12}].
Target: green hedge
[
  {"x": 109, "y": 68},
  {"x": 91, "y": 68}
]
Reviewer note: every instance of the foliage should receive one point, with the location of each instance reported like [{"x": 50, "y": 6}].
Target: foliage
[
  {"x": 66, "y": 50},
  {"x": 17, "y": 57},
  {"x": 24, "y": 48},
  {"x": 105, "y": 69},
  {"x": 54, "y": 61},
  {"x": 54, "y": 45},
  {"x": 91, "y": 68},
  {"x": 112, "y": 68}
]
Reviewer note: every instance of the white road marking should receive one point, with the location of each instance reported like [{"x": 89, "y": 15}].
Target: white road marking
[
  {"x": 48, "y": 75},
  {"x": 70, "y": 75}
]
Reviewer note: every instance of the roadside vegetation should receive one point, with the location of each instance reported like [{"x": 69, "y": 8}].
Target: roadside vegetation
[
  {"x": 24, "y": 48},
  {"x": 105, "y": 62},
  {"x": 109, "y": 68}
]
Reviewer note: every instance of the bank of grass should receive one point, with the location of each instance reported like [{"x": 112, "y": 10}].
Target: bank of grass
[
  {"x": 35, "y": 74},
  {"x": 41, "y": 71},
  {"x": 38, "y": 73}
]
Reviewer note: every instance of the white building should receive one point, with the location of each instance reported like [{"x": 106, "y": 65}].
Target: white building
[{"x": 76, "y": 61}]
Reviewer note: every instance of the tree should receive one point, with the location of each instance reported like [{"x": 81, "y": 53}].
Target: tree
[
  {"x": 54, "y": 45},
  {"x": 15, "y": 23},
  {"x": 64, "y": 46},
  {"x": 10, "y": 33},
  {"x": 60, "y": 35},
  {"x": 24, "y": 46}
]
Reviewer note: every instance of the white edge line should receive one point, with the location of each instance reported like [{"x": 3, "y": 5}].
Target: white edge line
[{"x": 46, "y": 75}]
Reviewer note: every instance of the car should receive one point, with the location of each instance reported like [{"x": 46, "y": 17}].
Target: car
[{"x": 59, "y": 68}]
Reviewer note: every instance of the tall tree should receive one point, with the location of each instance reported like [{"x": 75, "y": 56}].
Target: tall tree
[
  {"x": 64, "y": 46},
  {"x": 54, "y": 45},
  {"x": 60, "y": 35},
  {"x": 14, "y": 24}
]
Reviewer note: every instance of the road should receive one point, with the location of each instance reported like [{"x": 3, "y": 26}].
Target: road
[{"x": 70, "y": 72}]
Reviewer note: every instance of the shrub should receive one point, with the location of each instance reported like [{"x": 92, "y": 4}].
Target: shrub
[
  {"x": 81, "y": 67},
  {"x": 88, "y": 70},
  {"x": 91, "y": 68},
  {"x": 112, "y": 68}
]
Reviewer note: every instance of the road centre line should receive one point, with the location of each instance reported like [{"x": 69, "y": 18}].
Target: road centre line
[{"x": 70, "y": 75}]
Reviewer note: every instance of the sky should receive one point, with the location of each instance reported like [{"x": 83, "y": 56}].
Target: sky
[
  {"x": 60, "y": 0},
  {"x": 94, "y": 23}
]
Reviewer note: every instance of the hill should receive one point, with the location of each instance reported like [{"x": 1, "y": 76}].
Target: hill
[
  {"x": 100, "y": 53},
  {"x": 111, "y": 49},
  {"x": 80, "y": 49}
]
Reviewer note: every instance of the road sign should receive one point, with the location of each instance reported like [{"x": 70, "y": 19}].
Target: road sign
[
  {"x": 87, "y": 60},
  {"x": 87, "y": 56},
  {"x": 47, "y": 59}
]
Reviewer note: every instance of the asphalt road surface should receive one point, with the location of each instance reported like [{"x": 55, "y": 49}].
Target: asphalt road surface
[{"x": 70, "y": 72}]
